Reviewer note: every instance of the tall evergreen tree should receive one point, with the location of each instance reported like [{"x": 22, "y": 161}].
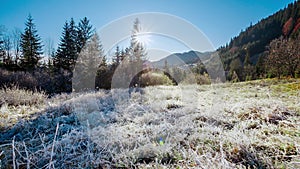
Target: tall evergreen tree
[
  {"x": 66, "y": 54},
  {"x": 87, "y": 64},
  {"x": 84, "y": 32},
  {"x": 31, "y": 46},
  {"x": 102, "y": 78},
  {"x": 247, "y": 59},
  {"x": 138, "y": 51},
  {"x": 117, "y": 56},
  {"x": 260, "y": 66},
  {"x": 248, "y": 69}
]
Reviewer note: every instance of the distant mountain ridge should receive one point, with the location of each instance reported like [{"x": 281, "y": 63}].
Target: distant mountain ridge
[
  {"x": 248, "y": 51},
  {"x": 179, "y": 59}
]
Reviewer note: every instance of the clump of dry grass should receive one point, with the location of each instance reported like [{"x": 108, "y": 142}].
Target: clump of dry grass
[
  {"x": 18, "y": 104},
  {"x": 13, "y": 96},
  {"x": 244, "y": 125}
]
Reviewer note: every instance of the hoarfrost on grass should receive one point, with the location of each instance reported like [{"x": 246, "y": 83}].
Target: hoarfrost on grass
[{"x": 220, "y": 126}]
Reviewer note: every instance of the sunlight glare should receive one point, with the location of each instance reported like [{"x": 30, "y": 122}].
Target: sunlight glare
[{"x": 144, "y": 38}]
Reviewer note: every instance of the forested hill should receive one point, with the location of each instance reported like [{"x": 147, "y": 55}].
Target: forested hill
[{"x": 254, "y": 40}]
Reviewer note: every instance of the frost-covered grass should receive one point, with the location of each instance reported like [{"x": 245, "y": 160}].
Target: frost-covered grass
[
  {"x": 17, "y": 104},
  {"x": 252, "y": 124}
]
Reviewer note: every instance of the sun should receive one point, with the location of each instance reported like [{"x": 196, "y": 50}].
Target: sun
[{"x": 143, "y": 38}]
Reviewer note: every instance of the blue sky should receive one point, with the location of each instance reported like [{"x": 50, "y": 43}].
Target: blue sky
[{"x": 219, "y": 20}]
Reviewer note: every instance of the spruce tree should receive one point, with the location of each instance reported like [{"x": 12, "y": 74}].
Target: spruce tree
[
  {"x": 31, "y": 46},
  {"x": 117, "y": 56},
  {"x": 87, "y": 65},
  {"x": 102, "y": 78},
  {"x": 260, "y": 66},
  {"x": 84, "y": 33},
  {"x": 138, "y": 51},
  {"x": 67, "y": 52},
  {"x": 247, "y": 59},
  {"x": 248, "y": 69}
]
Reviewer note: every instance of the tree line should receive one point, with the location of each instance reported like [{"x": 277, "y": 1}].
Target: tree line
[
  {"x": 266, "y": 48},
  {"x": 269, "y": 48},
  {"x": 79, "y": 63}
]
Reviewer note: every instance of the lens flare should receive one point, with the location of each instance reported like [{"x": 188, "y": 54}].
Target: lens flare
[{"x": 144, "y": 38}]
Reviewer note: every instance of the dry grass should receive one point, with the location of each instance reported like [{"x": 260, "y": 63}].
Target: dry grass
[
  {"x": 244, "y": 125},
  {"x": 13, "y": 96},
  {"x": 17, "y": 104}
]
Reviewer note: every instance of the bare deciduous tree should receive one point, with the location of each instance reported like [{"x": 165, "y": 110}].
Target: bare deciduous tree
[{"x": 16, "y": 44}]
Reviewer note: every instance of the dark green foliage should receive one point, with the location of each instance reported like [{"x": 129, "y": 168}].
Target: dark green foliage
[
  {"x": 67, "y": 54},
  {"x": 103, "y": 75},
  {"x": 31, "y": 46},
  {"x": 251, "y": 44},
  {"x": 73, "y": 40},
  {"x": 236, "y": 69},
  {"x": 260, "y": 66},
  {"x": 84, "y": 32}
]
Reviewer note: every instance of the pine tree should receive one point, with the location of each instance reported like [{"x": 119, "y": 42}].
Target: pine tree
[
  {"x": 260, "y": 66},
  {"x": 138, "y": 52},
  {"x": 248, "y": 69},
  {"x": 123, "y": 55},
  {"x": 87, "y": 65},
  {"x": 31, "y": 46},
  {"x": 247, "y": 59},
  {"x": 102, "y": 78},
  {"x": 126, "y": 55},
  {"x": 84, "y": 32},
  {"x": 67, "y": 52},
  {"x": 117, "y": 56}
]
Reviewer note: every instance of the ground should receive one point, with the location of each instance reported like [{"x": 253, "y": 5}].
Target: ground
[{"x": 230, "y": 125}]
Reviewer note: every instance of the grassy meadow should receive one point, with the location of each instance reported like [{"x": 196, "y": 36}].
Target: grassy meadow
[{"x": 253, "y": 124}]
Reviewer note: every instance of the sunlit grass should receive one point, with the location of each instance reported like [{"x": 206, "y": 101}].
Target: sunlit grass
[{"x": 249, "y": 124}]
